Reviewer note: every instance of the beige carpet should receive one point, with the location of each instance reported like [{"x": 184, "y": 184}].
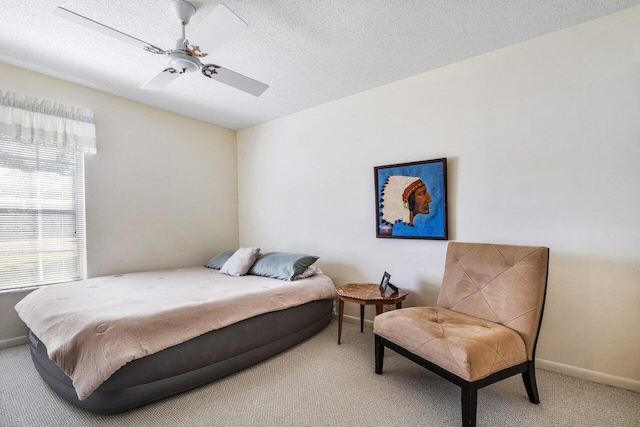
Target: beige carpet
[{"x": 319, "y": 383}]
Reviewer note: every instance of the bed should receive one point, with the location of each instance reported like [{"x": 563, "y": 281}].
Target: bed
[{"x": 114, "y": 343}]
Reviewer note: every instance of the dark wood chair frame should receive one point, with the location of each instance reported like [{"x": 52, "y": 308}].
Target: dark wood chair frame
[{"x": 469, "y": 395}]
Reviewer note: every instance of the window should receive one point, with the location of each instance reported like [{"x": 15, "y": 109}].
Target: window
[
  {"x": 41, "y": 215},
  {"x": 42, "y": 225}
]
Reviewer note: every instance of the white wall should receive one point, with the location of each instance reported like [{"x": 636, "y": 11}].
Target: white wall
[
  {"x": 160, "y": 193},
  {"x": 543, "y": 144}
]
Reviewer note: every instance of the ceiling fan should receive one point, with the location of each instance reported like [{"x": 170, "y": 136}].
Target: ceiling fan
[{"x": 219, "y": 27}]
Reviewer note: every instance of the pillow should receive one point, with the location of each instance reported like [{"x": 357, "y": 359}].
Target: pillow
[
  {"x": 240, "y": 262},
  {"x": 281, "y": 265},
  {"x": 219, "y": 260},
  {"x": 312, "y": 270}
]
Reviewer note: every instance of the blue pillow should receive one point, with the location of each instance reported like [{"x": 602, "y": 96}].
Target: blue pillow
[
  {"x": 218, "y": 261},
  {"x": 281, "y": 265}
]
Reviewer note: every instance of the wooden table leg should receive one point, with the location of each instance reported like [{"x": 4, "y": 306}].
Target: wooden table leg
[
  {"x": 361, "y": 317},
  {"x": 399, "y": 305},
  {"x": 340, "y": 313},
  {"x": 379, "y": 309}
]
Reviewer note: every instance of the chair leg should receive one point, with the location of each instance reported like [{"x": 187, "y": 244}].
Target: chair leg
[
  {"x": 529, "y": 378},
  {"x": 469, "y": 406},
  {"x": 379, "y": 352}
]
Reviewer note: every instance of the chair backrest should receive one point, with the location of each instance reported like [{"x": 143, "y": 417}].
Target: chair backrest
[{"x": 501, "y": 283}]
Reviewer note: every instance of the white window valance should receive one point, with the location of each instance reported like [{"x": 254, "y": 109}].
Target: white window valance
[{"x": 35, "y": 121}]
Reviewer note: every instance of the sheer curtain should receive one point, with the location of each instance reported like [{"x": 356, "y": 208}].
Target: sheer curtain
[{"x": 42, "y": 224}]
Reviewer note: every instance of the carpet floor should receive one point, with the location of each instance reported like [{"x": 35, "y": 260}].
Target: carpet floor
[{"x": 318, "y": 383}]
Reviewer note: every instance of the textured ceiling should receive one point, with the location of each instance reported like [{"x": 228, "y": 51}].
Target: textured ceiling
[{"x": 309, "y": 51}]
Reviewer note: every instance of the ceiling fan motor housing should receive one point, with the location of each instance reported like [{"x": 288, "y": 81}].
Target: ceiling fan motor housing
[{"x": 181, "y": 60}]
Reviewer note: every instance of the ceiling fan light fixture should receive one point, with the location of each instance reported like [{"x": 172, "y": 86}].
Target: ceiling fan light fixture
[{"x": 182, "y": 61}]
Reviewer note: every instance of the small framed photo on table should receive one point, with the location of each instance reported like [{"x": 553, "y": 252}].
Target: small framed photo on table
[{"x": 385, "y": 283}]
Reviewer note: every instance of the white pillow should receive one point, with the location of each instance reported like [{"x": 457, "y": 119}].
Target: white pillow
[
  {"x": 240, "y": 262},
  {"x": 312, "y": 270}
]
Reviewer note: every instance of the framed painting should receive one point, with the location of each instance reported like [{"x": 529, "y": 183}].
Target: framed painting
[{"x": 411, "y": 200}]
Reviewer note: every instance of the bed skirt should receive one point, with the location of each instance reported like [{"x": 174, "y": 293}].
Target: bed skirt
[{"x": 193, "y": 363}]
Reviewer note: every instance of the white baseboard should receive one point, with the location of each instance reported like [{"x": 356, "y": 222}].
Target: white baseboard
[
  {"x": 572, "y": 371},
  {"x": 12, "y": 342},
  {"x": 586, "y": 374}
]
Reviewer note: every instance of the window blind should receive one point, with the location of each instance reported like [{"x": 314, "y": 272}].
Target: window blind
[{"x": 42, "y": 224}]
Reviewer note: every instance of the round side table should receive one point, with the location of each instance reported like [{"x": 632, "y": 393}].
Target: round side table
[{"x": 365, "y": 294}]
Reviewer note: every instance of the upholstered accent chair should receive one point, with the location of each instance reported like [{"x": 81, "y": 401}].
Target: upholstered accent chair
[{"x": 485, "y": 324}]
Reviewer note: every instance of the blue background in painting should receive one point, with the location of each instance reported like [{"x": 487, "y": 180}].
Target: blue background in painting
[{"x": 432, "y": 224}]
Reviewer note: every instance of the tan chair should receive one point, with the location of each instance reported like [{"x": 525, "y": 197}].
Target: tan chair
[{"x": 485, "y": 325}]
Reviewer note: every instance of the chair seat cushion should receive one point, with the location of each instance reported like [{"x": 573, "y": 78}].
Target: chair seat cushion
[{"x": 466, "y": 346}]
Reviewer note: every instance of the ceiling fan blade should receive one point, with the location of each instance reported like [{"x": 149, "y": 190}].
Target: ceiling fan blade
[
  {"x": 218, "y": 28},
  {"x": 233, "y": 79},
  {"x": 161, "y": 80},
  {"x": 96, "y": 26}
]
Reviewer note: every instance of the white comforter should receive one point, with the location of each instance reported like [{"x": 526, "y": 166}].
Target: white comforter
[{"x": 93, "y": 327}]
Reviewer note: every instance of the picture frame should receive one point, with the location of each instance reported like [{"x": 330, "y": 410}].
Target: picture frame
[
  {"x": 386, "y": 282},
  {"x": 411, "y": 200}
]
